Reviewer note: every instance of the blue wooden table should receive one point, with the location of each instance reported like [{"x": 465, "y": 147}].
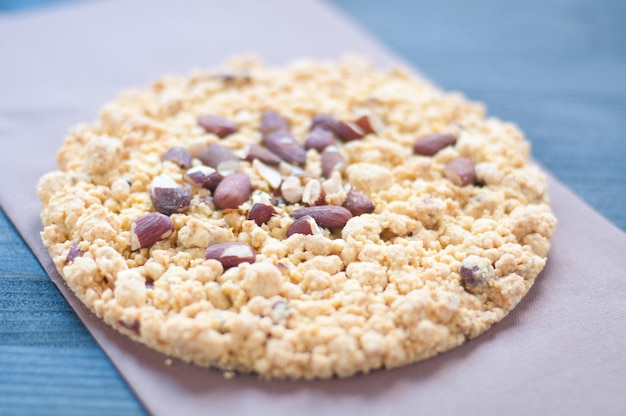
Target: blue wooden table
[{"x": 556, "y": 67}]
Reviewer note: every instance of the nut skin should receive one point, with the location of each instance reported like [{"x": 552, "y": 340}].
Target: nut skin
[
  {"x": 263, "y": 154},
  {"x": 149, "y": 229},
  {"x": 178, "y": 155},
  {"x": 208, "y": 201},
  {"x": 73, "y": 253},
  {"x": 261, "y": 213},
  {"x": 285, "y": 145},
  {"x": 276, "y": 198},
  {"x": 357, "y": 203},
  {"x": 134, "y": 327},
  {"x": 215, "y": 154},
  {"x": 430, "y": 145},
  {"x": 365, "y": 123},
  {"x": 170, "y": 200},
  {"x": 198, "y": 176},
  {"x": 203, "y": 176},
  {"x": 476, "y": 273},
  {"x": 214, "y": 179},
  {"x": 324, "y": 121},
  {"x": 332, "y": 160},
  {"x": 319, "y": 139},
  {"x": 305, "y": 225},
  {"x": 328, "y": 216},
  {"x": 232, "y": 191},
  {"x": 272, "y": 121},
  {"x": 460, "y": 171},
  {"x": 230, "y": 254},
  {"x": 217, "y": 125},
  {"x": 234, "y": 78},
  {"x": 348, "y": 131}
]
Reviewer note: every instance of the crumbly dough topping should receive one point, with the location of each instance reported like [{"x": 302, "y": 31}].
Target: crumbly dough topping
[{"x": 438, "y": 260}]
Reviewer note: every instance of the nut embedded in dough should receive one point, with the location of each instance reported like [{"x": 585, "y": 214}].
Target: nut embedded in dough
[
  {"x": 149, "y": 229},
  {"x": 232, "y": 191},
  {"x": 230, "y": 254}
]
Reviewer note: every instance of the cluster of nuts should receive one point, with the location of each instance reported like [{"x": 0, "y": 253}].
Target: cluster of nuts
[
  {"x": 219, "y": 173},
  {"x": 279, "y": 162},
  {"x": 460, "y": 170}
]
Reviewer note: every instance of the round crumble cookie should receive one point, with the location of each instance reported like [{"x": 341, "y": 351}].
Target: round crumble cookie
[{"x": 315, "y": 220}]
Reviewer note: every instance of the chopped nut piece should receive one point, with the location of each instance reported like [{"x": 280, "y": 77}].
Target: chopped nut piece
[
  {"x": 348, "y": 131},
  {"x": 333, "y": 185},
  {"x": 286, "y": 146},
  {"x": 217, "y": 125},
  {"x": 228, "y": 167},
  {"x": 215, "y": 154},
  {"x": 291, "y": 189},
  {"x": 324, "y": 121},
  {"x": 328, "y": 216},
  {"x": 430, "y": 145},
  {"x": 214, "y": 179},
  {"x": 280, "y": 310},
  {"x": 255, "y": 151},
  {"x": 319, "y": 139},
  {"x": 169, "y": 197},
  {"x": 135, "y": 326},
  {"x": 313, "y": 193},
  {"x": 73, "y": 253},
  {"x": 460, "y": 171},
  {"x": 196, "y": 147},
  {"x": 261, "y": 197},
  {"x": 198, "y": 175},
  {"x": 149, "y": 229},
  {"x": 230, "y": 254},
  {"x": 332, "y": 160},
  {"x": 261, "y": 213},
  {"x": 163, "y": 181},
  {"x": 370, "y": 123},
  {"x": 304, "y": 225},
  {"x": 272, "y": 121},
  {"x": 271, "y": 175},
  {"x": 234, "y": 78},
  {"x": 476, "y": 272},
  {"x": 178, "y": 155},
  {"x": 171, "y": 200},
  {"x": 208, "y": 201},
  {"x": 287, "y": 169},
  {"x": 232, "y": 191},
  {"x": 277, "y": 198},
  {"x": 357, "y": 203}
]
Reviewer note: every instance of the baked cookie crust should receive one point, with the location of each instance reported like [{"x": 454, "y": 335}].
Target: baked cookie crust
[{"x": 308, "y": 221}]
